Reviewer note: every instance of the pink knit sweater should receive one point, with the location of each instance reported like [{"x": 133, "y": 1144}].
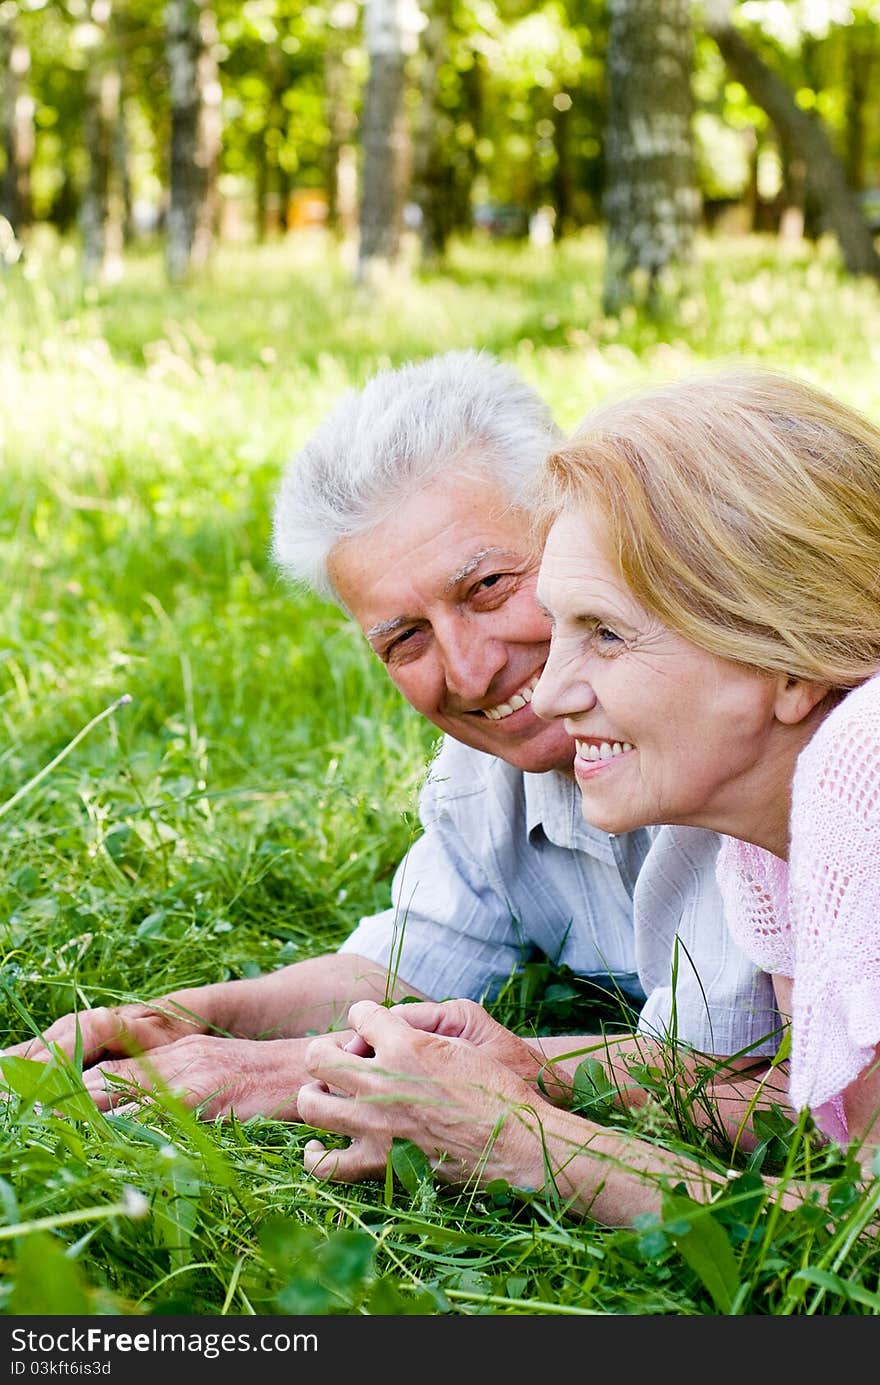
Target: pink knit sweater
[{"x": 816, "y": 919}]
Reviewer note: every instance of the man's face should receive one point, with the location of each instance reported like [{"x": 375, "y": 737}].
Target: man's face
[{"x": 444, "y": 592}]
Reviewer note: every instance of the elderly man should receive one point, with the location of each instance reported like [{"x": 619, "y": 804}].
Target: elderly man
[{"x": 406, "y": 508}]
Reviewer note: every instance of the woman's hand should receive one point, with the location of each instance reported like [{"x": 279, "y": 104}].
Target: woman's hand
[
  {"x": 429, "y": 1073},
  {"x": 445, "y": 1076}
]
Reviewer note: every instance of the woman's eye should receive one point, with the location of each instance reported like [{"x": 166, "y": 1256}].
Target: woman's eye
[{"x": 606, "y": 636}]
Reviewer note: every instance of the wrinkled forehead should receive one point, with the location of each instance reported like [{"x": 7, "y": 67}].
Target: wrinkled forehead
[
  {"x": 406, "y": 575},
  {"x": 441, "y": 533}
]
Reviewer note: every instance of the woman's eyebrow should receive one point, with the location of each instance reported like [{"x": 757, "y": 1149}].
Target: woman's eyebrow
[{"x": 473, "y": 563}]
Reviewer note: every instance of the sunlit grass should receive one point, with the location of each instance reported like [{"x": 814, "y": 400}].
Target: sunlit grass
[{"x": 251, "y": 801}]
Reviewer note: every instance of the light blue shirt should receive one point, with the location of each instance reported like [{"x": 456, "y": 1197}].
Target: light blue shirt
[{"x": 506, "y": 869}]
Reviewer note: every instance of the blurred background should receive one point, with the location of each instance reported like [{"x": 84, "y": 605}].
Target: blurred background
[{"x": 393, "y": 127}]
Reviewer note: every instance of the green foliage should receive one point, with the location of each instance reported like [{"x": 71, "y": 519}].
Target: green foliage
[
  {"x": 410, "y": 1165},
  {"x": 703, "y": 1245},
  {"x": 251, "y": 801},
  {"x": 594, "y": 1092},
  {"x": 47, "y": 1281},
  {"x": 317, "y": 1274}
]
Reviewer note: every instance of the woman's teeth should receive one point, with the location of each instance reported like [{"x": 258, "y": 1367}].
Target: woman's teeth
[{"x": 606, "y": 750}]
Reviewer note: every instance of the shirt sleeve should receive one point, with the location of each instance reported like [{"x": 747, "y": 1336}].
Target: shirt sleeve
[
  {"x": 835, "y": 904},
  {"x": 447, "y": 933}
]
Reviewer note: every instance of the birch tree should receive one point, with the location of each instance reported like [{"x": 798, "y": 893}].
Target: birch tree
[
  {"x": 18, "y": 123},
  {"x": 196, "y": 131},
  {"x": 651, "y": 200},
  {"x": 102, "y": 210},
  {"x": 432, "y": 137},
  {"x": 384, "y": 142},
  {"x": 339, "y": 114}
]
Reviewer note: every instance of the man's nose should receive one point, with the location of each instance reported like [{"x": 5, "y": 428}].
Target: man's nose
[
  {"x": 471, "y": 659},
  {"x": 563, "y": 689}
]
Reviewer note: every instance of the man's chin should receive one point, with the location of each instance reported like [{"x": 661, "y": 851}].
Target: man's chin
[
  {"x": 543, "y": 764},
  {"x": 533, "y": 755}
]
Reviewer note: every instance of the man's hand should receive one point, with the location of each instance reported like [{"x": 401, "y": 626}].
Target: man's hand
[
  {"x": 247, "y": 1077},
  {"x": 306, "y": 997},
  {"x": 117, "y": 1031}
]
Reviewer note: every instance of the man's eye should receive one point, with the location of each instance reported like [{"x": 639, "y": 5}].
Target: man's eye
[
  {"x": 399, "y": 643},
  {"x": 487, "y": 583},
  {"x": 606, "y": 636}
]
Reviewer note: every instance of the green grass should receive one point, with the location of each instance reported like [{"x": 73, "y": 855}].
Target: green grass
[{"x": 251, "y": 801}]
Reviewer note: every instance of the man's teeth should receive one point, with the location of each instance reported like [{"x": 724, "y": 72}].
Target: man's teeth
[
  {"x": 606, "y": 751},
  {"x": 518, "y": 700}
]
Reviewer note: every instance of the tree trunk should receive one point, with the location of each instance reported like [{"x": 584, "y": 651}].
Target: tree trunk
[
  {"x": 210, "y": 137},
  {"x": 563, "y": 184},
  {"x": 431, "y": 173},
  {"x": 651, "y": 200},
  {"x": 861, "y": 57},
  {"x": 100, "y": 117},
  {"x": 340, "y": 158},
  {"x": 750, "y": 193},
  {"x": 803, "y": 138},
  {"x": 102, "y": 212},
  {"x": 18, "y": 127},
  {"x": 285, "y": 219},
  {"x": 122, "y": 164},
  {"x": 470, "y": 119},
  {"x": 261, "y": 188},
  {"x": 191, "y": 42},
  {"x": 793, "y": 218},
  {"x": 383, "y": 139}
]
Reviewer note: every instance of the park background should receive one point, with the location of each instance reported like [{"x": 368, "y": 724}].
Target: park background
[{"x": 216, "y": 218}]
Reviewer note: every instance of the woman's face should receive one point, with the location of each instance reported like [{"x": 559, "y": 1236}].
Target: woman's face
[{"x": 664, "y": 732}]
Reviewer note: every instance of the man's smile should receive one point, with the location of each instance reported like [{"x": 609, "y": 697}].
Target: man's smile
[{"x": 513, "y": 704}]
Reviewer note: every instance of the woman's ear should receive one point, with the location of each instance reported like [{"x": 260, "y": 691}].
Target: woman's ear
[{"x": 796, "y": 698}]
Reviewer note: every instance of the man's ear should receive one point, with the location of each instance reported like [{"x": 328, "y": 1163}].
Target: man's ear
[{"x": 796, "y": 698}]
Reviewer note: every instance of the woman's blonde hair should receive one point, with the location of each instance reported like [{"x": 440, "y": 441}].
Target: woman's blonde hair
[{"x": 743, "y": 509}]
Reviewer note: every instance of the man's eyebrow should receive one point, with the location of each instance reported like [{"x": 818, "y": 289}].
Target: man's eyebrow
[
  {"x": 386, "y": 627},
  {"x": 473, "y": 563}
]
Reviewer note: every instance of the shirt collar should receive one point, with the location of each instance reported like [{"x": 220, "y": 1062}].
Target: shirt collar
[{"x": 553, "y": 803}]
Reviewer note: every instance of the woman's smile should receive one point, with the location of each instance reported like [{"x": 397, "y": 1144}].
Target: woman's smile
[{"x": 595, "y": 756}]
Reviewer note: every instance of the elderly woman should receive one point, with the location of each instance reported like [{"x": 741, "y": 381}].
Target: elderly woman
[{"x": 712, "y": 570}]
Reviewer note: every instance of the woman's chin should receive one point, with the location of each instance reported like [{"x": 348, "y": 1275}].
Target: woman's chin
[
  {"x": 606, "y": 817},
  {"x": 605, "y": 821}
]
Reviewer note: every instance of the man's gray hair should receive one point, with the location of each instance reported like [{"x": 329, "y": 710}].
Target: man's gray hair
[{"x": 463, "y": 412}]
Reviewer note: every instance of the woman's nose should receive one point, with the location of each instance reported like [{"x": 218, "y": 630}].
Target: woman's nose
[{"x": 563, "y": 689}]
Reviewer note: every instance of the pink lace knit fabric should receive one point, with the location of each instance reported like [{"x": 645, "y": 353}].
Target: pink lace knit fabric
[{"x": 817, "y": 918}]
